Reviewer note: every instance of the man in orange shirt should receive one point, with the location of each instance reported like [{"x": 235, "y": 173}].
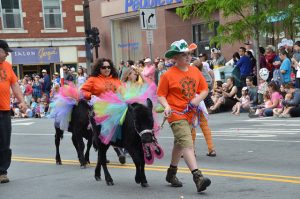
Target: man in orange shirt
[
  {"x": 8, "y": 80},
  {"x": 182, "y": 86}
]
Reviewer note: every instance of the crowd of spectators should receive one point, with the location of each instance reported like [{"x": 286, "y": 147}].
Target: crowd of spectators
[
  {"x": 272, "y": 91},
  {"x": 39, "y": 90},
  {"x": 260, "y": 94}
]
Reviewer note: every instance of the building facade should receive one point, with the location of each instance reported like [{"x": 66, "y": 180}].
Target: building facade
[
  {"x": 43, "y": 34},
  {"x": 122, "y": 37}
]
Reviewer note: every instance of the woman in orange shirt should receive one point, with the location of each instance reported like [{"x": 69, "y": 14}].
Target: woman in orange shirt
[{"x": 104, "y": 78}]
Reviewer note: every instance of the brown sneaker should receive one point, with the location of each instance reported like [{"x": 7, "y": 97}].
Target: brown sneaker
[
  {"x": 171, "y": 178},
  {"x": 4, "y": 179},
  {"x": 201, "y": 182}
]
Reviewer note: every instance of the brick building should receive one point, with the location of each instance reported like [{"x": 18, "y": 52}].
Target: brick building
[
  {"x": 43, "y": 33},
  {"x": 122, "y": 37}
]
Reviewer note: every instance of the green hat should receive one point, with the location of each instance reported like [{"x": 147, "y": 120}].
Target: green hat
[{"x": 178, "y": 47}]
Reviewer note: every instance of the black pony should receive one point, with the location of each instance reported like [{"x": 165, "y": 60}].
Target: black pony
[
  {"x": 80, "y": 128},
  {"x": 136, "y": 130}
]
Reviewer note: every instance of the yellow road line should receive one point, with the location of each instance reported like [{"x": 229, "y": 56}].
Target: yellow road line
[{"x": 212, "y": 172}]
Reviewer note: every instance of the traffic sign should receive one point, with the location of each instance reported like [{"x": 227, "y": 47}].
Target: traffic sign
[
  {"x": 149, "y": 36},
  {"x": 148, "y": 19}
]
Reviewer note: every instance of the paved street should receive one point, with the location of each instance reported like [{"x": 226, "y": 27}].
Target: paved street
[{"x": 256, "y": 158}]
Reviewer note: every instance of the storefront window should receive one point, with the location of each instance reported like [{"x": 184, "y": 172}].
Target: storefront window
[
  {"x": 52, "y": 14},
  {"x": 11, "y": 14},
  {"x": 202, "y": 34},
  {"x": 127, "y": 41}
]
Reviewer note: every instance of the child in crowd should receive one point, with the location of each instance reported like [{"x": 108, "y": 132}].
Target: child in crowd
[
  {"x": 267, "y": 104},
  {"x": 33, "y": 106},
  {"x": 284, "y": 112},
  {"x": 243, "y": 102},
  {"x": 262, "y": 89},
  {"x": 39, "y": 108},
  {"x": 263, "y": 84}
]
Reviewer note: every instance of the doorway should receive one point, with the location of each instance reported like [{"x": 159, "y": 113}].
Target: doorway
[{"x": 34, "y": 70}]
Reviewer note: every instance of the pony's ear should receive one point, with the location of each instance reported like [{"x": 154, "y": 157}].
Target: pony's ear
[
  {"x": 130, "y": 108},
  {"x": 149, "y": 103}
]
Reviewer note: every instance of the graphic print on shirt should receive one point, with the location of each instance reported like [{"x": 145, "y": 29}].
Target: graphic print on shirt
[
  {"x": 188, "y": 89},
  {"x": 3, "y": 74},
  {"x": 109, "y": 86}
]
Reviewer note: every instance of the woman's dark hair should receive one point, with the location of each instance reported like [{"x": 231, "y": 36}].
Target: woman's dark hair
[
  {"x": 262, "y": 50},
  {"x": 236, "y": 56},
  {"x": 274, "y": 86},
  {"x": 130, "y": 62},
  {"x": 204, "y": 55},
  {"x": 219, "y": 83},
  {"x": 142, "y": 62},
  {"x": 284, "y": 52},
  {"x": 99, "y": 63},
  {"x": 82, "y": 73},
  {"x": 250, "y": 54}
]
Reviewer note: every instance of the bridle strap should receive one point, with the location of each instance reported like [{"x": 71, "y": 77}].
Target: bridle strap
[{"x": 145, "y": 131}]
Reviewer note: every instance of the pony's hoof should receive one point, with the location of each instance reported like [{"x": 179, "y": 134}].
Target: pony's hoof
[
  {"x": 98, "y": 178},
  {"x": 58, "y": 163},
  {"x": 110, "y": 183},
  {"x": 144, "y": 184},
  {"x": 83, "y": 166},
  {"x": 138, "y": 180},
  {"x": 122, "y": 159}
]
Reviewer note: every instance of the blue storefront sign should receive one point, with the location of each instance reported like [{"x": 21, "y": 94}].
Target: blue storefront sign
[
  {"x": 35, "y": 55},
  {"x": 134, "y": 5}
]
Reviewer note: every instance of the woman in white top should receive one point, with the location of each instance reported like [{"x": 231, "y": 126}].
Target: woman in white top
[{"x": 81, "y": 78}]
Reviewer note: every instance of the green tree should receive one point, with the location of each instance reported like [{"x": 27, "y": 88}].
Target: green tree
[{"x": 252, "y": 18}]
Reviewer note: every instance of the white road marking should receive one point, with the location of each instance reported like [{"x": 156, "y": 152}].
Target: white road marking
[
  {"x": 23, "y": 124},
  {"x": 248, "y": 140},
  {"x": 272, "y": 120},
  {"x": 20, "y": 120}
]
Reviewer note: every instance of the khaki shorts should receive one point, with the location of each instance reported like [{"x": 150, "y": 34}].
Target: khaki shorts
[{"x": 182, "y": 133}]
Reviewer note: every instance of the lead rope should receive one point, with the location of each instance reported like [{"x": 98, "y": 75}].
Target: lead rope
[{"x": 189, "y": 108}]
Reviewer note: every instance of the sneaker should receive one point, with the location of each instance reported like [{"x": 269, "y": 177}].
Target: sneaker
[
  {"x": 4, "y": 179},
  {"x": 201, "y": 182}
]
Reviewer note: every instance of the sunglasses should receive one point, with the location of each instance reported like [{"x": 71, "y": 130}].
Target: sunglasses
[{"x": 105, "y": 67}]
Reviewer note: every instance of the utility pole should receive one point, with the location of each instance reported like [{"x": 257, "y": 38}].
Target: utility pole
[{"x": 87, "y": 26}]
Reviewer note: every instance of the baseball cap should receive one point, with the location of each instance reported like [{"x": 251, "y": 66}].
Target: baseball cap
[
  {"x": 147, "y": 60},
  {"x": 244, "y": 88},
  {"x": 44, "y": 71},
  {"x": 4, "y": 46}
]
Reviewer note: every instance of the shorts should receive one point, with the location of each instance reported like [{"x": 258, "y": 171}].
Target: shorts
[{"x": 182, "y": 132}]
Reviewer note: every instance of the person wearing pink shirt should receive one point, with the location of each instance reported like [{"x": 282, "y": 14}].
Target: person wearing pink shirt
[
  {"x": 276, "y": 97},
  {"x": 149, "y": 71}
]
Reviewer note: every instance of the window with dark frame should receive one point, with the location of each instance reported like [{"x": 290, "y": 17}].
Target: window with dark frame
[
  {"x": 52, "y": 14},
  {"x": 11, "y": 14},
  {"x": 202, "y": 34}
]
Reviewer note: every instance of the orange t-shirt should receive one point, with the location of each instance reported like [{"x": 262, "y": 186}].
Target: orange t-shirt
[
  {"x": 7, "y": 78},
  {"x": 98, "y": 85},
  {"x": 179, "y": 88}
]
